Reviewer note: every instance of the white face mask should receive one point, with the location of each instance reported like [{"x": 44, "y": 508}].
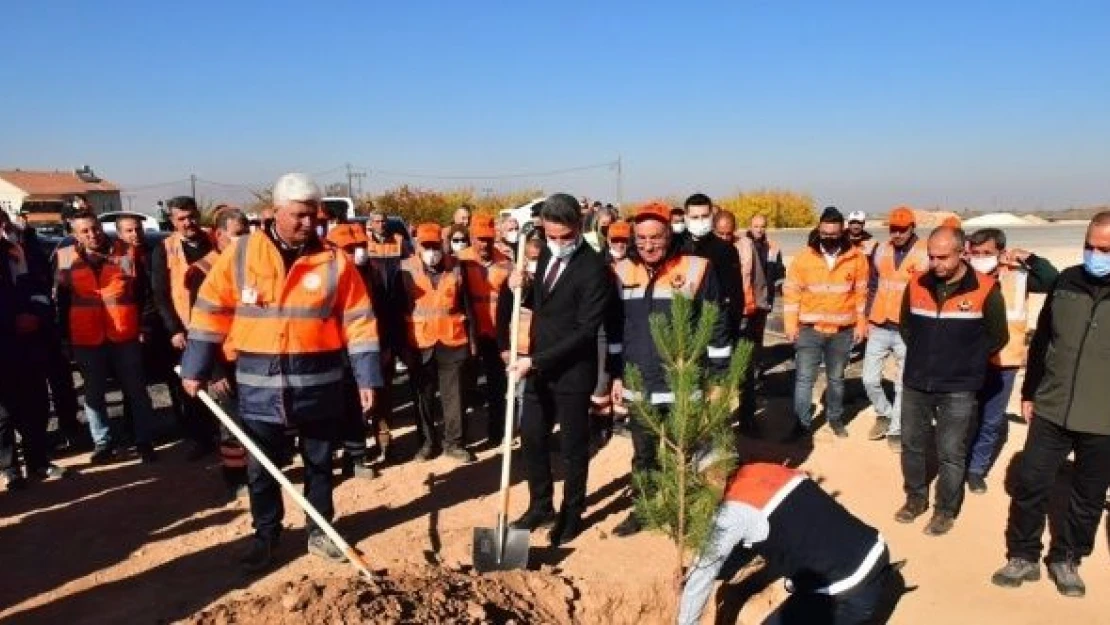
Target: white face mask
[
  {"x": 617, "y": 255},
  {"x": 983, "y": 264},
  {"x": 320, "y": 231},
  {"x": 512, "y": 236},
  {"x": 699, "y": 227},
  {"x": 458, "y": 246},
  {"x": 562, "y": 251},
  {"x": 530, "y": 267},
  {"x": 678, "y": 228},
  {"x": 360, "y": 256},
  {"x": 431, "y": 258}
]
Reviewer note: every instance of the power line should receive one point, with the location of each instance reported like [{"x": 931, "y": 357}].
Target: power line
[
  {"x": 154, "y": 186},
  {"x": 534, "y": 174}
]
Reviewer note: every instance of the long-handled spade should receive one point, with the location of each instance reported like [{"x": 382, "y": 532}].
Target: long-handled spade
[
  {"x": 353, "y": 556},
  {"x": 504, "y": 548}
]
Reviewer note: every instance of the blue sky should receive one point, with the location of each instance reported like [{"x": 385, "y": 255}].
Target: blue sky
[{"x": 861, "y": 104}]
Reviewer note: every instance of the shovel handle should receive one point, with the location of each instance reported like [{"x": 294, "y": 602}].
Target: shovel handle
[
  {"x": 354, "y": 557},
  {"x": 510, "y": 391}
]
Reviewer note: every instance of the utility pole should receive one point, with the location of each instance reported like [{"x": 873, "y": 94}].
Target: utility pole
[
  {"x": 620, "y": 182},
  {"x": 130, "y": 196},
  {"x": 193, "y": 184},
  {"x": 351, "y": 176}
]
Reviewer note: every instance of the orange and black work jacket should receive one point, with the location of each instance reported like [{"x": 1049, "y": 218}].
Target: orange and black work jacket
[
  {"x": 437, "y": 310},
  {"x": 483, "y": 283},
  {"x": 177, "y": 269},
  {"x": 645, "y": 291},
  {"x": 290, "y": 315},
  {"x": 951, "y": 330},
  {"x": 100, "y": 295}
]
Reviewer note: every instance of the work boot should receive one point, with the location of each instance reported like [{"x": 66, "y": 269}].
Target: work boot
[
  {"x": 894, "y": 441},
  {"x": 459, "y": 454},
  {"x": 629, "y": 526},
  {"x": 103, "y": 454},
  {"x": 146, "y": 453},
  {"x": 321, "y": 546},
  {"x": 567, "y": 527},
  {"x": 427, "y": 452},
  {"x": 838, "y": 429},
  {"x": 533, "y": 520},
  {"x": 879, "y": 430},
  {"x": 976, "y": 484},
  {"x": 358, "y": 466},
  {"x": 1016, "y": 571},
  {"x": 13, "y": 480},
  {"x": 48, "y": 472},
  {"x": 912, "y": 509},
  {"x": 940, "y": 524},
  {"x": 1066, "y": 576},
  {"x": 259, "y": 555}
]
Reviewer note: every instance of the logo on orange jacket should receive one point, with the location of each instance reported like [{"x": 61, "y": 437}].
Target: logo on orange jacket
[{"x": 311, "y": 282}]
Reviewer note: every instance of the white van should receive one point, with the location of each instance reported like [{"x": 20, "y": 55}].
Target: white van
[
  {"x": 340, "y": 206},
  {"x": 108, "y": 221}
]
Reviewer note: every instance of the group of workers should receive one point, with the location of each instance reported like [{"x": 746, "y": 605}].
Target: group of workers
[{"x": 297, "y": 325}]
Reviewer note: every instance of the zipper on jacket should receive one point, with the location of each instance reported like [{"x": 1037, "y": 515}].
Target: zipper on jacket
[{"x": 1079, "y": 358}]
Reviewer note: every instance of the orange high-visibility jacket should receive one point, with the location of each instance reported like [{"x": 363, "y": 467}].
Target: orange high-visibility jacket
[
  {"x": 390, "y": 247},
  {"x": 182, "y": 273},
  {"x": 1014, "y": 284},
  {"x": 103, "y": 304},
  {"x": 746, "y": 248},
  {"x": 436, "y": 313},
  {"x": 290, "y": 329},
  {"x": 483, "y": 283},
  {"x": 886, "y": 306},
  {"x": 827, "y": 299}
]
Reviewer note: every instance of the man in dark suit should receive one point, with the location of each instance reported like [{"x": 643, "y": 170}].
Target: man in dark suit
[{"x": 568, "y": 298}]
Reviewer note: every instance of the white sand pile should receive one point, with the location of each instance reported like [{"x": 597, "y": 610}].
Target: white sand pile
[{"x": 996, "y": 219}]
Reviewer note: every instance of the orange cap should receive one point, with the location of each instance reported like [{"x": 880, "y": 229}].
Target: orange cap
[
  {"x": 619, "y": 230},
  {"x": 481, "y": 227},
  {"x": 345, "y": 235},
  {"x": 429, "y": 233},
  {"x": 952, "y": 221},
  {"x": 901, "y": 217},
  {"x": 654, "y": 210}
]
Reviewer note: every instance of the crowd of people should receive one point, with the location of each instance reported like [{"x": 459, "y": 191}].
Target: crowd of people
[{"x": 297, "y": 325}]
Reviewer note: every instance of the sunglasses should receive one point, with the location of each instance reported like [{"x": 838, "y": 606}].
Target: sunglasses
[{"x": 454, "y": 240}]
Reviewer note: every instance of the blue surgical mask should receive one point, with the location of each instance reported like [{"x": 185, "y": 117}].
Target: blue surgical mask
[{"x": 1096, "y": 263}]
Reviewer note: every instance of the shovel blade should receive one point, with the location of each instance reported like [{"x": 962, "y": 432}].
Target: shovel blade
[{"x": 513, "y": 551}]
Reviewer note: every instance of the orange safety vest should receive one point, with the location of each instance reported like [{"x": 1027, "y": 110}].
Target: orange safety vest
[
  {"x": 524, "y": 332},
  {"x": 828, "y": 299},
  {"x": 746, "y": 249},
  {"x": 103, "y": 307},
  {"x": 758, "y": 484},
  {"x": 389, "y": 248},
  {"x": 1014, "y": 284},
  {"x": 182, "y": 272},
  {"x": 483, "y": 283},
  {"x": 886, "y": 307},
  {"x": 436, "y": 316}
]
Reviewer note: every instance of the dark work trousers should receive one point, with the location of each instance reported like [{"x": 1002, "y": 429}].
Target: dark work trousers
[
  {"x": 543, "y": 409},
  {"x": 59, "y": 372},
  {"x": 753, "y": 327},
  {"x": 645, "y": 444},
  {"x": 856, "y": 606},
  {"x": 316, "y": 444},
  {"x": 489, "y": 359},
  {"x": 1046, "y": 448},
  {"x": 353, "y": 430},
  {"x": 382, "y": 414},
  {"x": 954, "y": 415},
  {"x": 24, "y": 407},
  {"x": 991, "y": 433},
  {"x": 442, "y": 367},
  {"x": 811, "y": 348}
]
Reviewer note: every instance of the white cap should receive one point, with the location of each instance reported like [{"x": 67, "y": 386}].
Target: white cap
[
  {"x": 857, "y": 216},
  {"x": 296, "y": 187}
]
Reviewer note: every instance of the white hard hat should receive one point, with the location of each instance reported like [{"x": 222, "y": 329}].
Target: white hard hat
[
  {"x": 857, "y": 216},
  {"x": 296, "y": 187}
]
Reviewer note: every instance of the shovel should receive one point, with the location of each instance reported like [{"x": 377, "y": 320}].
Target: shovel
[
  {"x": 503, "y": 548},
  {"x": 354, "y": 557}
]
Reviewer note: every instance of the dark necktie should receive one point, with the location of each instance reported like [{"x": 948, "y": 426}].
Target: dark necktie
[{"x": 552, "y": 274}]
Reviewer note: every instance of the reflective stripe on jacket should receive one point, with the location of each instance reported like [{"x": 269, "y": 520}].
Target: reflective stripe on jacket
[
  {"x": 289, "y": 329},
  {"x": 886, "y": 307},
  {"x": 103, "y": 306},
  {"x": 1014, "y": 284},
  {"x": 827, "y": 299}
]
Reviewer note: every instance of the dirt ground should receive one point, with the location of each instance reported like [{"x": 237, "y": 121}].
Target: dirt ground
[{"x": 128, "y": 543}]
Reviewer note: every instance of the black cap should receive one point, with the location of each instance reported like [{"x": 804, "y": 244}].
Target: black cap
[{"x": 832, "y": 215}]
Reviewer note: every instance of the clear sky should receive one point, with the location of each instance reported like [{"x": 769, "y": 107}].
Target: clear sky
[{"x": 861, "y": 104}]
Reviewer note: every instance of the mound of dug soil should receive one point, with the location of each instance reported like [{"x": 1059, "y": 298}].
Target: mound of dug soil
[{"x": 430, "y": 595}]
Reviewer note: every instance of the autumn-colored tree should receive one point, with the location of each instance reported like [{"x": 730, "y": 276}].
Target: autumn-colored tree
[{"x": 783, "y": 209}]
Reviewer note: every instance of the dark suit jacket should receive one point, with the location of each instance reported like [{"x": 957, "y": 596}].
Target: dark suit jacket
[
  {"x": 565, "y": 322},
  {"x": 724, "y": 259}
]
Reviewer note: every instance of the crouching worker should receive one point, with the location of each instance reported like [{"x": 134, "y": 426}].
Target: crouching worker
[
  {"x": 291, "y": 307},
  {"x": 836, "y": 566}
]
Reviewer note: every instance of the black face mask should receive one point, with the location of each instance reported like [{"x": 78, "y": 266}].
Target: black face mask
[{"x": 830, "y": 244}]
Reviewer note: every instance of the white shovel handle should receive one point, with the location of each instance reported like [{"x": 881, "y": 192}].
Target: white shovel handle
[{"x": 352, "y": 556}]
